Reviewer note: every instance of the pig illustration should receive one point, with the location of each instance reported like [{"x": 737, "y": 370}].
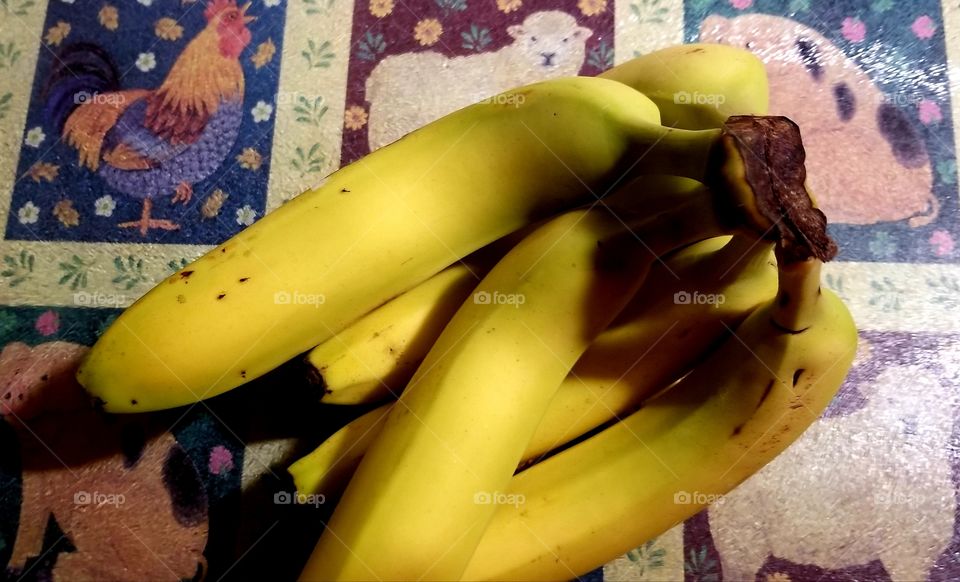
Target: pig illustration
[
  {"x": 874, "y": 484},
  {"x": 127, "y": 498},
  {"x": 867, "y": 162}
]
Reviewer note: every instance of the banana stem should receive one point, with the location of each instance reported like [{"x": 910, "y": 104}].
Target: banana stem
[
  {"x": 692, "y": 219},
  {"x": 676, "y": 152},
  {"x": 742, "y": 253},
  {"x": 798, "y": 293},
  {"x": 759, "y": 165}
]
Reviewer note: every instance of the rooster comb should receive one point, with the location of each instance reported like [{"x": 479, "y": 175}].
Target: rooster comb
[{"x": 215, "y": 7}]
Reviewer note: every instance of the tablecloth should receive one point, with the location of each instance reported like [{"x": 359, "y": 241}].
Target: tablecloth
[{"x": 869, "y": 493}]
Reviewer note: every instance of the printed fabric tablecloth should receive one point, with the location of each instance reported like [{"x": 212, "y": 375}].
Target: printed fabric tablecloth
[{"x": 869, "y": 493}]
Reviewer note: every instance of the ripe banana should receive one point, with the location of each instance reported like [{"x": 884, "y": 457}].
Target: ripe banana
[
  {"x": 698, "y": 86},
  {"x": 462, "y": 424},
  {"x": 671, "y": 324},
  {"x": 373, "y": 358},
  {"x": 328, "y": 468},
  {"x": 379, "y": 227},
  {"x": 654, "y": 341},
  {"x": 720, "y": 424}
]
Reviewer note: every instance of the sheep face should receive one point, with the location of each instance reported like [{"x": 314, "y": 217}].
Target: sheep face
[{"x": 552, "y": 41}]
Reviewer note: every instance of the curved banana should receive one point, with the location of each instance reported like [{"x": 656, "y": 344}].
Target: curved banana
[
  {"x": 669, "y": 326},
  {"x": 328, "y": 468},
  {"x": 462, "y": 424},
  {"x": 378, "y": 227},
  {"x": 720, "y": 424},
  {"x": 656, "y": 339},
  {"x": 701, "y": 72},
  {"x": 698, "y": 86},
  {"x": 373, "y": 358}
]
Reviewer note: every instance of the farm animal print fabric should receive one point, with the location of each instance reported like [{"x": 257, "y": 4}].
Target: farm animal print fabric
[{"x": 134, "y": 135}]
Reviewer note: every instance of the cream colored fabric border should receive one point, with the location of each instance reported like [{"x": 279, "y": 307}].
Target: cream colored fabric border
[
  {"x": 298, "y": 80},
  {"x": 643, "y": 27},
  {"x": 643, "y": 564},
  {"x": 16, "y": 77}
]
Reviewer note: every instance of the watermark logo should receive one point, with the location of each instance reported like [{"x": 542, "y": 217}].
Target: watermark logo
[
  {"x": 97, "y": 299},
  {"x": 697, "y": 298},
  {"x": 891, "y": 498},
  {"x": 514, "y": 99},
  {"x": 697, "y": 498},
  {"x": 497, "y": 298},
  {"x": 84, "y": 97},
  {"x": 298, "y": 298},
  {"x": 98, "y": 499},
  {"x": 901, "y": 99},
  {"x": 698, "y": 98},
  {"x": 499, "y": 498},
  {"x": 296, "y": 498},
  {"x": 298, "y": 98}
]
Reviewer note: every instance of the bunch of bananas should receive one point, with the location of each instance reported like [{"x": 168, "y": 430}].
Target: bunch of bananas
[{"x": 573, "y": 302}]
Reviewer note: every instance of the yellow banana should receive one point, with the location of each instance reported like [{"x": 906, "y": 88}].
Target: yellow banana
[
  {"x": 724, "y": 421},
  {"x": 329, "y": 467},
  {"x": 656, "y": 338},
  {"x": 701, "y": 72},
  {"x": 413, "y": 509},
  {"x": 379, "y": 227},
  {"x": 374, "y": 357},
  {"x": 678, "y": 317},
  {"x": 697, "y": 86}
]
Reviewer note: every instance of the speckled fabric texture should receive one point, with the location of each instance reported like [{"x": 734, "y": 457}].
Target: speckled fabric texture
[{"x": 227, "y": 127}]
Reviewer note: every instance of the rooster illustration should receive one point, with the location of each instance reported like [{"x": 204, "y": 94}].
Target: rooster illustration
[{"x": 150, "y": 143}]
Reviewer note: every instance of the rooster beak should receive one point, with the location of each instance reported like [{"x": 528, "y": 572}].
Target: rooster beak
[{"x": 243, "y": 11}]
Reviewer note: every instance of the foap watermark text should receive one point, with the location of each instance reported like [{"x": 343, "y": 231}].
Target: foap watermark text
[
  {"x": 697, "y": 298},
  {"x": 499, "y": 498},
  {"x": 98, "y": 498},
  {"x": 696, "y": 498},
  {"x": 296, "y": 498},
  {"x": 698, "y": 98},
  {"x": 297, "y": 298},
  {"x": 498, "y": 298}
]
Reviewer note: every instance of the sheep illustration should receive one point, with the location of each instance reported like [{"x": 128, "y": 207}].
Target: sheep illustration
[
  {"x": 547, "y": 44},
  {"x": 884, "y": 173},
  {"x": 854, "y": 488}
]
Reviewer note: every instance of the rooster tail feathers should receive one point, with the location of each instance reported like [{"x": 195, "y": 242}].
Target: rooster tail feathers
[{"x": 80, "y": 71}]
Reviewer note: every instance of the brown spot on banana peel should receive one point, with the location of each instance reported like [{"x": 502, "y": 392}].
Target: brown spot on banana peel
[
  {"x": 796, "y": 376},
  {"x": 766, "y": 392},
  {"x": 314, "y": 376},
  {"x": 785, "y": 329},
  {"x": 761, "y": 164},
  {"x": 783, "y": 299}
]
